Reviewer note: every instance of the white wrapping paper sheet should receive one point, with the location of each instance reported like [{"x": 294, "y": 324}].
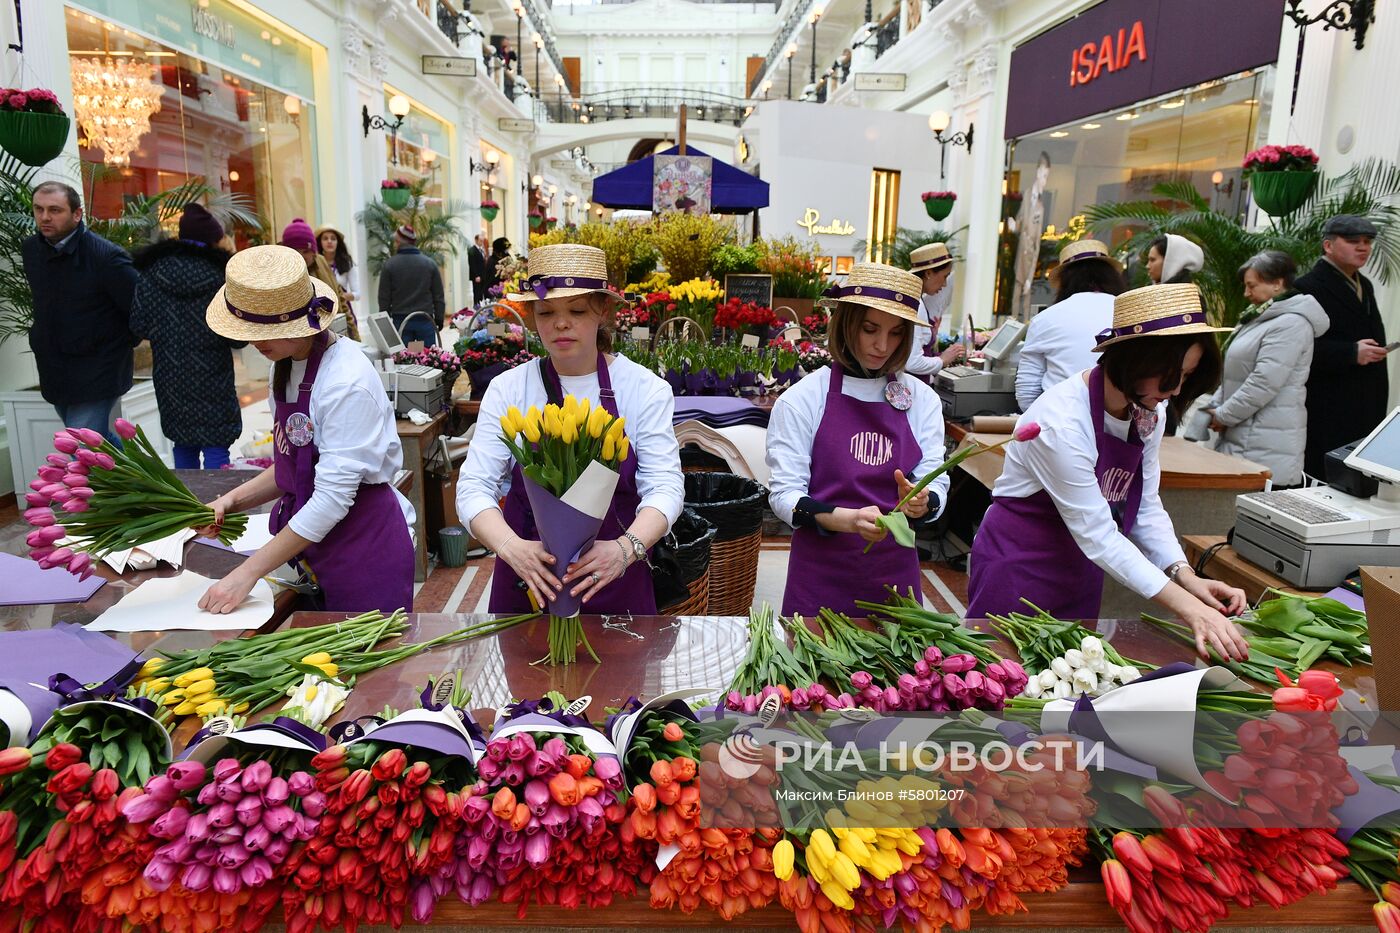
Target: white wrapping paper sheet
[
  {"x": 592, "y": 492},
  {"x": 170, "y": 603}
]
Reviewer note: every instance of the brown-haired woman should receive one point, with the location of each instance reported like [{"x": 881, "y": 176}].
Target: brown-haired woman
[
  {"x": 847, "y": 442},
  {"x": 1082, "y": 499},
  {"x": 569, "y": 304}
]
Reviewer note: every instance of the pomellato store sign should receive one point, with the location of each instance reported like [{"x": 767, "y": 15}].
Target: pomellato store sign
[{"x": 1123, "y": 51}]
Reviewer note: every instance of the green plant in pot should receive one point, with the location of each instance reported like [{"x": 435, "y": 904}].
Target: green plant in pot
[
  {"x": 1281, "y": 177},
  {"x": 394, "y": 192},
  {"x": 939, "y": 204},
  {"x": 489, "y": 210},
  {"x": 33, "y": 126}
]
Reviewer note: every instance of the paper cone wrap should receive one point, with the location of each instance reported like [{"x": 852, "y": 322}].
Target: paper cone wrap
[{"x": 568, "y": 525}]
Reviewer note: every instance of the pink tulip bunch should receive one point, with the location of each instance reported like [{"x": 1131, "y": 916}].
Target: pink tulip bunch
[
  {"x": 64, "y": 483},
  {"x": 228, "y": 829},
  {"x": 815, "y": 698},
  {"x": 941, "y": 683}
]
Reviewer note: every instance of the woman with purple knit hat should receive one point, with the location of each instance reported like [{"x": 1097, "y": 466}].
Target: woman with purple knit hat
[{"x": 299, "y": 236}]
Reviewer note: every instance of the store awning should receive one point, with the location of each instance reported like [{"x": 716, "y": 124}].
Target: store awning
[{"x": 630, "y": 187}]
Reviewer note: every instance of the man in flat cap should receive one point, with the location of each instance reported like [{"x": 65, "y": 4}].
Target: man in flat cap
[{"x": 1348, "y": 387}]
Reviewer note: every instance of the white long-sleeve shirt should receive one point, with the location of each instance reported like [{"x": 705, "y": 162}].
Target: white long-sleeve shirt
[
  {"x": 792, "y": 427},
  {"x": 1060, "y": 342},
  {"x": 643, "y": 398},
  {"x": 932, "y": 308},
  {"x": 355, "y": 436},
  {"x": 1061, "y": 461}
]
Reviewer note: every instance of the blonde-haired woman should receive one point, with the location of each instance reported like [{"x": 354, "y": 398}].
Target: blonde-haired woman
[{"x": 571, "y": 307}]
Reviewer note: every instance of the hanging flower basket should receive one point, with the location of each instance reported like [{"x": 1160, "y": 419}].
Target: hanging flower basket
[
  {"x": 535, "y": 221},
  {"x": 1279, "y": 194},
  {"x": 489, "y": 210},
  {"x": 396, "y": 199},
  {"x": 33, "y": 127},
  {"x": 939, "y": 204}
]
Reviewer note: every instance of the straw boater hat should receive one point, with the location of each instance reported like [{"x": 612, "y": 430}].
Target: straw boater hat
[
  {"x": 1157, "y": 311},
  {"x": 1084, "y": 251},
  {"x": 269, "y": 295},
  {"x": 883, "y": 288},
  {"x": 565, "y": 270},
  {"x": 928, "y": 257}
]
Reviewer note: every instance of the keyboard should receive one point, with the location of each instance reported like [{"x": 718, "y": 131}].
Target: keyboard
[
  {"x": 1298, "y": 507},
  {"x": 416, "y": 369},
  {"x": 957, "y": 372}
]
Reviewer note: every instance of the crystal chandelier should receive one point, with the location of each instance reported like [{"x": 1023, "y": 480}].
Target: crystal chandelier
[{"x": 113, "y": 100}]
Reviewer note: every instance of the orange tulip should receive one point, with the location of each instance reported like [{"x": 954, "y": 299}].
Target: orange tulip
[{"x": 1387, "y": 917}]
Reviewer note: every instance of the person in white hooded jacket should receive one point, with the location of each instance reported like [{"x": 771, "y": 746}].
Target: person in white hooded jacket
[{"x": 1260, "y": 410}]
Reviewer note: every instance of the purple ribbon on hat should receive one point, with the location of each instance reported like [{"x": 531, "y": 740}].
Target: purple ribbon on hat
[
  {"x": 543, "y": 283},
  {"x": 872, "y": 291},
  {"x": 1161, "y": 323},
  {"x": 311, "y": 311}
]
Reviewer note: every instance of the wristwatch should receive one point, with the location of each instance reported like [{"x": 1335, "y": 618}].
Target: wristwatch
[{"x": 639, "y": 550}]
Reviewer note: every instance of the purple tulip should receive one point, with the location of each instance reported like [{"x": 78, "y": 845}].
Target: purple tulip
[
  {"x": 958, "y": 663},
  {"x": 277, "y": 819},
  {"x": 482, "y": 890},
  {"x": 233, "y": 854},
  {"x": 248, "y": 811},
  {"x": 478, "y": 851},
  {"x": 43, "y": 537},
  {"x": 77, "y": 475},
  {"x": 256, "y": 838},
  {"x": 222, "y": 815},
  {"x": 160, "y": 873},
  {"x": 228, "y": 837},
  {"x": 300, "y": 784},
  {"x": 861, "y": 679},
  {"x": 104, "y": 461},
  {"x": 208, "y": 795},
  {"x": 227, "y": 768},
  {"x": 87, "y": 436},
  {"x": 37, "y": 500},
  {"x": 496, "y": 750},
  {"x": 475, "y": 810},
  {"x": 58, "y": 461},
  {"x": 556, "y": 821},
  {"x": 277, "y": 850},
  {"x": 144, "y": 808},
  {"x": 993, "y": 692},
  {"x": 537, "y": 797},
  {"x": 229, "y": 791},
  {"x": 932, "y": 655},
  {"x": 277, "y": 791},
  {"x": 556, "y": 751},
  {"x": 590, "y": 813},
  {"x": 421, "y": 902},
  {"x": 39, "y": 517},
  {"x": 314, "y": 804},
  {"x": 539, "y": 765},
  {"x": 196, "y": 877},
  {"x": 509, "y": 858},
  {"x": 490, "y": 828},
  {"x": 513, "y": 774},
  {"x": 162, "y": 788},
  {"x": 975, "y": 681},
  {"x": 170, "y": 824},
  {"x": 256, "y": 776},
  {"x": 521, "y": 746},
  {"x": 537, "y": 850},
  {"x": 609, "y": 772},
  {"x": 64, "y": 443},
  {"x": 197, "y": 828},
  {"x": 255, "y": 872},
  {"x": 81, "y": 492},
  {"x": 52, "y": 474},
  {"x": 55, "y": 490},
  {"x": 955, "y": 687},
  {"x": 489, "y": 768},
  {"x": 80, "y": 564},
  {"x": 226, "y": 880},
  {"x": 76, "y": 504},
  {"x": 186, "y": 775},
  {"x": 125, "y": 429}
]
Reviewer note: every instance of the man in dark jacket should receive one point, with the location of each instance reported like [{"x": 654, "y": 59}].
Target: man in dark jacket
[
  {"x": 1348, "y": 387},
  {"x": 82, "y": 287},
  {"x": 411, "y": 284},
  {"x": 476, "y": 268}
]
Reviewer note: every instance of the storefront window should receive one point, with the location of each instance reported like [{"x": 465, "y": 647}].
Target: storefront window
[
  {"x": 1199, "y": 136},
  {"x": 420, "y": 152},
  {"x": 215, "y": 123}
]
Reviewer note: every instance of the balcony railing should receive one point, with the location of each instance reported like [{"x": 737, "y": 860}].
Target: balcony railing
[
  {"x": 653, "y": 102},
  {"x": 886, "y": 36}
]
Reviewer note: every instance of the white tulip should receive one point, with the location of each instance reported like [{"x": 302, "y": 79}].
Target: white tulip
[
  {"x": 1085, "y": 681},
  {"x": 1062, "y": 668},
  {"x": 1099, "y": 665},
  {"x": 1076, "y": 658},
  {"x": 1032, "y": 689},
  {"x": 1062, "y": 690},
  {"x": 1127, "y": 673},
  {"x": 1107, "y": 676},
  {"x": 1092, "y": 647},
  {"x": 1048, "y": 679}
]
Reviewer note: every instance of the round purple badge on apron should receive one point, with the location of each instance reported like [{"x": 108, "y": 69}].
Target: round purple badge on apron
[
  {"x": 299, "y": 429},
  {"x": 899, "y": 395}
]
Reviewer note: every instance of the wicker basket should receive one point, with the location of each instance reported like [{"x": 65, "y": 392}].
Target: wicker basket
[
  {"x": 734, "y": 574},
  {"x": 734, "y": 505},
  {"x": 696, "y": 604}
]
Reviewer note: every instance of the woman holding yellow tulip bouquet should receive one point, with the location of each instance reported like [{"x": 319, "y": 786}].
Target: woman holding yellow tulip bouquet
[{"x": 580, "y": 387}]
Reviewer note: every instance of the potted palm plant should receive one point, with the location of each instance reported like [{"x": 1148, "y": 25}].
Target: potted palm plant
[
  {"x": 33, "y": 126},
  {"x": 1281, "y": 177}
]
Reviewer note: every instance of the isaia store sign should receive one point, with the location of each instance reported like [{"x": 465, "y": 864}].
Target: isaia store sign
[{"x": 1123, "y": 51}]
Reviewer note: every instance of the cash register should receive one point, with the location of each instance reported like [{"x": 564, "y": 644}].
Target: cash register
[
  {"x": 1315, "y": 537},
  {"x": 410, "y": 385},
  {"x": 968, "y": 390}
]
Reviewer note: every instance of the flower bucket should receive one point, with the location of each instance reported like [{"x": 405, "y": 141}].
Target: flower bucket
[
  {"x": 33, "y": 138},
  {"x": 488, "y": 214},
  {"x": 1279, "y": 194},
  {"x": 939, "y": 208},
  {"x": 396, "y": 199}
]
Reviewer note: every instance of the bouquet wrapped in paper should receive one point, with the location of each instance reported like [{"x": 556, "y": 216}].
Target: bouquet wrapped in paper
[{"x": 569, "y": 455}]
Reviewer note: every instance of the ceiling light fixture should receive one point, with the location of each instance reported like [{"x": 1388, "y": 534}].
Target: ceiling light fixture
[{"x": 113, "y": 101}]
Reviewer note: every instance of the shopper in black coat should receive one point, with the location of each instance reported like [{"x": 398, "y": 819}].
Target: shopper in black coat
[
  {"x": 193, "y": 372},
  {"x": 500, "y": 251},
  {"x": 82, "y": 286},
  {"x": 1348, "y": 386}
]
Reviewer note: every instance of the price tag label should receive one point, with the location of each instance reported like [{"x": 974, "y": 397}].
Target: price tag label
[
  {"x": 792, "y": 334},
  {"x": 496, "y": 329},
  {"x": 750, "y": 342},
  {"x": 578, "y": 707},
  {"x": 442, "y": 690},
  {"x": 641, "y": 334}
]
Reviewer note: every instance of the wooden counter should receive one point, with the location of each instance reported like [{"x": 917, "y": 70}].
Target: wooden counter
[
  {"x": 703, "y": 653},
  {"x": 1228, "y": 566},
  {"x": 417, "y": 441}
]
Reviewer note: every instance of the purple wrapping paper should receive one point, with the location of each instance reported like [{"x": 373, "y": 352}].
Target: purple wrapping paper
[
  {"x": 718, "y": 411},
  {"x": 25, "y": 583},
  {"x": 439, "y": 738},
  {"x": 29, "y": 658},
  {"x": 566, "y": 533},
  {"x": 1370, "y": 802}
]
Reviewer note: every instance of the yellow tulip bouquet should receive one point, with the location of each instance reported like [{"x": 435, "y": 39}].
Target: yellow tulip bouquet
[{"x": 569, "y": 455}]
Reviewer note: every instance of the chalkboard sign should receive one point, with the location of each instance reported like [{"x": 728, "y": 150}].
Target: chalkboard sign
[{"x": 750, "y": 287}]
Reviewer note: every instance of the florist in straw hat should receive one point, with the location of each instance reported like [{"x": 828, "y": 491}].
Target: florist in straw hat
[
  {"x": 847, "y": 442},
  {"x": 338, "y": 513},
  {"x": 1083, "y": 500},
  {"x": 933, "y": 264},
  {"x": 569, "y": 303},
  {"x": 1060, "y": 339}
]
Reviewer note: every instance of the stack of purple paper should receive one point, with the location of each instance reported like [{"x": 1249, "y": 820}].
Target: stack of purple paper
[
  {"x": 24, "y": 583},
  {"x": 29, "y": 658},
  {"x": 718, "y": 411}
]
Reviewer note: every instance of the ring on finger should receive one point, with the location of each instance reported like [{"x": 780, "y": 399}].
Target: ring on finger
[{"x": 595, "y": 578}]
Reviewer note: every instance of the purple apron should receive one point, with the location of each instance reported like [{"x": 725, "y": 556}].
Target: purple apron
[
  {"x": 857, "y": 448},
  {"x": 366, "y": 562},
  {"x": 1023, "y": 548},
  {"x": 633, "y": 591},
  {"x": 930, "y": 346}
]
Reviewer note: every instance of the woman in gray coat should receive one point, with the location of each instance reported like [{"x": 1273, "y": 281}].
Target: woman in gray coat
[{"x": 1260, "y": 408}]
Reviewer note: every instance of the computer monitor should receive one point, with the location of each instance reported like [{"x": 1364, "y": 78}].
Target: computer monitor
[
  {"x": 1379, "y": 454},
  {"x": 999, "y": 348},
  {"x": 385, "y": 334}
]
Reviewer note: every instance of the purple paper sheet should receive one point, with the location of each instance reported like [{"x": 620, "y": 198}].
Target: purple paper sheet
[
  {"x": 718, "y": 411},
  {"x": 28, "y": 659},
  {"x": 27, "y": 584},
  {"x": 439, "y": 738},
  {"x": 1347, "y": 598},
  {"x": 565, "y": 533}
]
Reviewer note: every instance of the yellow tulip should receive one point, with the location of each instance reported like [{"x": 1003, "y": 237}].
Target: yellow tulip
[
  {"x": 597, "y": 420},
  {"x": 844, "y": 872},
  {"x": 151, "y": 666},
  {"x": 320, "y": 657},
  {"x": 855, "y": 850},
  {"x": 552, "y": 426},
  {"x": 311, "y": 692},
  {"x": 783, "y": 856},
  {"x": 821, "y": 847},
  {"x": 507, "y": 428},
  {"x": 566, "y": 411},
  {"x": 581, "y": 414},
  {"x": 330, "y": 670},
  {"x": 189, "y": 677},
  {"x": 568, "y": 430},
  {"x": 239, "y": 707},
  {"x": 838, "y": 895},
  {"x": 616, "y": 429},
  {"x": 622, "y": 449},
  {"x": 211, "y": 708},
  {"x": 609, "y": 448},
  {"x": 531, "y": 427},
  {"x": 173, "y": 698},
  {"x": 199, "y": 689},
  {"x": 159, "y": 685},
  {"x": 186, "y": 708}
]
